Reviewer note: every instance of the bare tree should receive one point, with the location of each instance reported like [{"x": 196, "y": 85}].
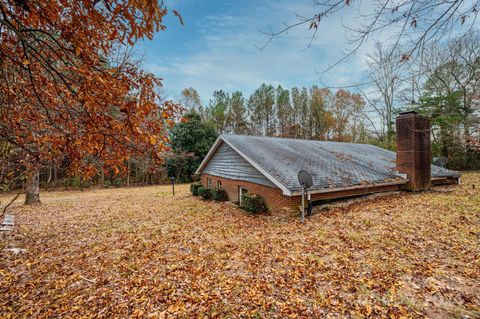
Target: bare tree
[
  {"x": 190, "y": 99},
  {"x": 415, "y": 24},
  {"x": 455, "y": 68},
  {"x": 385, "y": 74}
]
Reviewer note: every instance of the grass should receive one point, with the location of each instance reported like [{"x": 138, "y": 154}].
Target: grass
[{"x": 140, "y": 252}]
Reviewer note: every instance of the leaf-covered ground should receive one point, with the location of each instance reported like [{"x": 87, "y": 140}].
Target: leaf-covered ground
[{"x": 140, "y": 252}]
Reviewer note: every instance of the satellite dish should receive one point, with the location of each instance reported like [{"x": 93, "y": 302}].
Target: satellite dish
[
  {"x": 441, "y": 161},
  {"x": 305, "y": 179}
]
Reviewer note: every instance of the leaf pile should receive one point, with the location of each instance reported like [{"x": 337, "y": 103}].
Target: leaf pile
[{"x": 142, "y": 253}]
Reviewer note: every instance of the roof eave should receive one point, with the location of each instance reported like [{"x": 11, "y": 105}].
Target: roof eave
[{"x": 337, "y": 189}]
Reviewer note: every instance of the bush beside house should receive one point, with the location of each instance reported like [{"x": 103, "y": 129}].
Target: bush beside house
[
  {"x": 204, "y": 192},
  {"x": 253, "y": 203},
  {"x": 194, "y": 188},
  {"x": 219, "y": 194}
]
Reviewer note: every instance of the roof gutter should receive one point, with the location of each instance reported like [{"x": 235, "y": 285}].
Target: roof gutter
[{"x": 337, "y": 189}]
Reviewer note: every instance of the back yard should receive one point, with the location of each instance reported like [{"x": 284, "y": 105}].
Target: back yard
[{"x": 139, "y": 252}]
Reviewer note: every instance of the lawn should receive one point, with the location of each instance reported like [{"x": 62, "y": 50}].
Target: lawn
[{"x": 140, "y": 252}]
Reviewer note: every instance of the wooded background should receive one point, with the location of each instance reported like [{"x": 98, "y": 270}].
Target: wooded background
[
  {"x": 444, "y": 86},
  {"x": 77, "y": 109}
]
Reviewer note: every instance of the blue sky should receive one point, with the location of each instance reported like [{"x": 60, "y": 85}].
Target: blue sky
[{"x": 217, "y": 48}]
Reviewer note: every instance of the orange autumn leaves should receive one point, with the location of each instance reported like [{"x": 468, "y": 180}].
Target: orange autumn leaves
[
  {"x": 71, "y": 92},
  {"x": 143, "y": 253}
]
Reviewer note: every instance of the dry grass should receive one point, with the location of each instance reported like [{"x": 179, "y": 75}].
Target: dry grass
[{"x": 140, "y": 252}]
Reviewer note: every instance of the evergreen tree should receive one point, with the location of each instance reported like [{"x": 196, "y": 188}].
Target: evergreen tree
[
  {"x": 296, "y": 127},
  {"x": 305, "y": 118},
  {"x": 261, "y": 105},
  {"x": 218, "y": 109},
  {"x": 190, "y": 141},
  {"x": 317, "y": 110},
  {"x": 238, "y": 114},
  {"x": 284, "y": 111}
]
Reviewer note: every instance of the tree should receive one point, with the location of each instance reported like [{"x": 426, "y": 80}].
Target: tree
[
  {"x": 444, "y": 115},
  {"x": 319, "y": 99},
  {"x": 284, "y": 111},
  {"x": 449, "y": 99},
  {"x": 344, "y": 110},
  {"x": 261, "y": 105},
  {"x": 190, "y": 141},
  {"x": 416, "y": 24},
  {"x": 218, "y": 109},
  {"x": 458, "y": 71},
  {"x": 190, "y": 99},
  {"x": 305, "y": 117},
  {"x": 296, "y": 127},
  {"x": 385, "y": 74},
  {"x": 64, "y": 96},
  {"x": 238, "y": 114}
]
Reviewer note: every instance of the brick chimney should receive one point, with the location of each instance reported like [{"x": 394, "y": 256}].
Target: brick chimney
[{"x": 413, "y": 150}]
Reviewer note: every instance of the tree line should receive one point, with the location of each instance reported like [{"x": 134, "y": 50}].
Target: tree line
[
  {"x": 76, "y": 109},
  {"x": 306, "y": 113},
  {"x": 444, "y": 87}
]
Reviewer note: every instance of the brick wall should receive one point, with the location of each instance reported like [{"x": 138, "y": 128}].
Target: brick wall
[
  {"x": 274, "y": 197},
  {"x": 413, "y": 149}
]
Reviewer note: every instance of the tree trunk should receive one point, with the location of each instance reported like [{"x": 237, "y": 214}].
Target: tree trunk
[
  {"x": 54, "y": 176},
  {"x": 32, "y": 189},
  {"x": 128, "y": 172},
  {"x": 102, "y": 178},
  {"x": 466, "y": 107},
  {"x": 49, "y": 178}
]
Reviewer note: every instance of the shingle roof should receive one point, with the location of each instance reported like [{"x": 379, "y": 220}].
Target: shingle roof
[{"x": 332, "y": 164}]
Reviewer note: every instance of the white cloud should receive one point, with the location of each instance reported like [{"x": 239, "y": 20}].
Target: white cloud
[{"x": 229, "y": 57}]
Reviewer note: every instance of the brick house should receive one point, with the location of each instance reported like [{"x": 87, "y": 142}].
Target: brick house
[{"x": 268, "y": 166}]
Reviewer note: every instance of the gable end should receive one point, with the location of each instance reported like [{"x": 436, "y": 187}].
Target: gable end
[{"x": 227, "y": 163}]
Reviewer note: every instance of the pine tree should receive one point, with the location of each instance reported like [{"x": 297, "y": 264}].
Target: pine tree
[
  {"x": 237, "y": 115},
  {"x": 218, "y": 110},
  {"x": 261, "y": 105},
  {"x": 295, "y": 126},
  {"x": 284, "y": 111},
  {"x": 317, "y": 110}
]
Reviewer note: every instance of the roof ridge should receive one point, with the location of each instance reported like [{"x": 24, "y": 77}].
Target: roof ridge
[{"x": 292, "y": 139}]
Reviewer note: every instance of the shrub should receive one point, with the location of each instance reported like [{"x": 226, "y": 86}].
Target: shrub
[
  {"x": 117, "y": 182},
  {"x": 219, "y": 194},
  {"x": 253, "y": 203},
  {"x": 107, "y": 183},
  {"x": 204, "y": 192},
  {"x": 194, "y": 188},
  {"x": 75, "y": 182}
]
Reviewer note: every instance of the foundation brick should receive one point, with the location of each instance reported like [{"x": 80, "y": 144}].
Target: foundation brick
[{"x": 274, "y": 197}]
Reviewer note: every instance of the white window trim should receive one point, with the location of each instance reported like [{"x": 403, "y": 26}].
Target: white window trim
[{"x": 240, "y": 194}]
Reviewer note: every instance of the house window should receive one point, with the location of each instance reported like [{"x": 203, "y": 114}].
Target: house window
[
  {"x": 241, "y": 192},
  {"x": 219, "y": 183},
  {"x": 209, "y": 183}
]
